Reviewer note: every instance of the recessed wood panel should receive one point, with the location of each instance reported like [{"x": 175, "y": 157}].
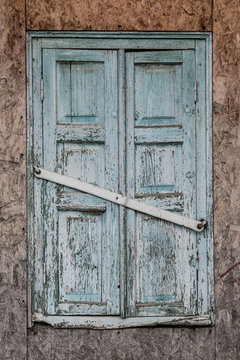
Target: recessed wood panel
[
  {"x": 80, "y": 256},
  {"x": 157, "y": 94},
  {"x": 84, "y": 162},
  {"x": 156, "y": 267},
  {"x": 80, "y": 88},
  {"x": 158, "y": 168}
]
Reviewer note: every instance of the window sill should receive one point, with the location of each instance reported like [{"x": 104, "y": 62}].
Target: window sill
[{"x": 115, "y": 322}]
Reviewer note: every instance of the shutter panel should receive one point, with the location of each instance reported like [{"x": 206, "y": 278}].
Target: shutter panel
[
  {"x": 161, "y": 170},
  {"x": 80, "y": 139}
]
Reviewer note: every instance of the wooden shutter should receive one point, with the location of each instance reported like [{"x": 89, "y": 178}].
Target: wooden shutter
[
  {"x": 161, "y": 170},
  {"x": 80, "y": 139},
  {"x": 130, "y": 114}
]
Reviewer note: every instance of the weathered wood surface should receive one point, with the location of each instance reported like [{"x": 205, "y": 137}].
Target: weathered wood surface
[
  {"x": 115, "y": 322},
  {"x": 93, "y": 80},
  {"x": 161, "y": 168}
]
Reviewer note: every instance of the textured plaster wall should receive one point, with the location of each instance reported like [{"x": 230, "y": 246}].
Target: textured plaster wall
[
  {"x": 12, "y": 182},
  {"x": 158, "y": 15},
  {"x": 42, "y": 342},
  {"x": 226, "y": 146}
]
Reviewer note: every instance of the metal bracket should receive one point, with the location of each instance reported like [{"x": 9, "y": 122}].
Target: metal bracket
[
  {"x": 120, "y": 199},
  {"x": 202, "y": 224},
  {"x": 196, "y": 92},
  {"x": 41, "y": 90}
]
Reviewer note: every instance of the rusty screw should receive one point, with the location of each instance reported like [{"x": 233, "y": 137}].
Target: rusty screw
[
  {"x": 203, "y": 224},
  {"x": 37, "y": 171}
]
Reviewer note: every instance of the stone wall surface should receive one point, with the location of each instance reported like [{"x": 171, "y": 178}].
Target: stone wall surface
[{"x": 43, "y": 342}]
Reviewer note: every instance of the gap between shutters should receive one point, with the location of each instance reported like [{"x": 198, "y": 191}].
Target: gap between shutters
[{"x": 120, "y": 199}]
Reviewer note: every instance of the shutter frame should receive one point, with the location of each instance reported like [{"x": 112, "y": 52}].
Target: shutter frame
[{"x": 203, "y": 42}]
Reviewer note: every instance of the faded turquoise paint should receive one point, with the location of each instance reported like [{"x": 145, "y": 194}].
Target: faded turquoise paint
[
  {"x": 81, "y": 243},
  {"x": 160, "y": 87},
  {"x": 131, "y": 122}
]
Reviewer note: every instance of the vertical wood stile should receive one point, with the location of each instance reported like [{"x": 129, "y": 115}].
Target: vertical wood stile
[
  {"x": 203, "y": 162},
  {"x": 122, "y": 180},
  {"x": 112, "y": 176},
  {"x": 38, "y": 291},
  {"x": 50, "y": 217},
  {"x": 201, "y": 171},
  {"x": 189, "y": 180},
  {"x": 130, "y": 185},
  {"x": 209, "y": 159}
]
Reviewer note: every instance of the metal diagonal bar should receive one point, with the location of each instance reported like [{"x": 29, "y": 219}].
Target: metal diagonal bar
[{"x": 120, "y": 199}]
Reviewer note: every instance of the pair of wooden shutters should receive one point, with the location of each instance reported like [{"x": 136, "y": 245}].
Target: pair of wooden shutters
[{"x": 127, "y": 121}]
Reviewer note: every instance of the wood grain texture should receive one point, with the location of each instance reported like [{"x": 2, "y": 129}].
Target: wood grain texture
[
  {"x": 180, "y": 15},
  {"x": 226, "y": 98},
  {"x": 12, "y": 182}
]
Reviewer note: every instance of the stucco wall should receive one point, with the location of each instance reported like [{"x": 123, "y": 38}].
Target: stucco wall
[
  {"x": 226, "y": 147},
  {"x": 171, "y": 15},
  {"x": 13, "y": 255},
  {"x": 42, "y": 342}
]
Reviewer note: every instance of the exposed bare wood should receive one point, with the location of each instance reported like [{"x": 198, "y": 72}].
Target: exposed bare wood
[{"x": 101, "y": 322}]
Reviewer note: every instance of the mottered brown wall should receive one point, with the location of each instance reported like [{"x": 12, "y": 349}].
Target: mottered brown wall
[
  {"x": 42, "y": 342},
  {"x": 13, "y": 246}
]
